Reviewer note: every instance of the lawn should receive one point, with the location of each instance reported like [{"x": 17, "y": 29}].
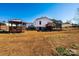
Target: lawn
[{"x": 33, "y": 43}]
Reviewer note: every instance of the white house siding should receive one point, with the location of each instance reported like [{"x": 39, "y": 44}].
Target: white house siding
[{"x": 44, "y": 21}]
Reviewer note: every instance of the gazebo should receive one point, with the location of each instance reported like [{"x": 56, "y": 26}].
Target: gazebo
[{"x": 16, "y": 26}]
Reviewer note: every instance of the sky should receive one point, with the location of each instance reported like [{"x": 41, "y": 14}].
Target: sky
[{"x": 30, "y": 11}]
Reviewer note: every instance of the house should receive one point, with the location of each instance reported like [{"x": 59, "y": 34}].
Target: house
[
  {"x": 41, "y": 23},
  {"x": 66, "y": 25},
  {"x": 28, "y": 24},
  {"x": 56, "y": 24},
  {"x": 13, "y": 26},
  {"x": 3, "y": 27},
  {"x": 16, "y": 26}
]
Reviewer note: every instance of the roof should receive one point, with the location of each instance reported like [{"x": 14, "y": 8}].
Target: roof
[
  {"x": 53, "y": 20},
  {"x": 43, "y": 18},
  {"x": 16, "y": 21}
]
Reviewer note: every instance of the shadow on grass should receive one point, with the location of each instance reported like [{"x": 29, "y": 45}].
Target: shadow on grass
[
  {"x": 7, "y": 32},
  {"x": 49, "y": 30}
]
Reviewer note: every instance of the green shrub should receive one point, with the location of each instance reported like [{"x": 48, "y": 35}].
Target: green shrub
[
  {"x": 60, "y": 49},
  {"x": 63, "y": 51}
]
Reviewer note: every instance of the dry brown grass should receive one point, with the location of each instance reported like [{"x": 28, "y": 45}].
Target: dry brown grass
[{"x": 37, "y": 43}]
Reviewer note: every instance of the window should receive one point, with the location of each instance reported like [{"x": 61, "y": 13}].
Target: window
[{"x": 40, "y": 22}]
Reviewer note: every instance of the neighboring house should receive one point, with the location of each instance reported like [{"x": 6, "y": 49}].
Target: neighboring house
[
  {"x": 40, "y": 23},
  {"x": 16, "y": 26},
  {"x": 66, "y": 25},
  {"x": 57, "y": 24},
  {"x": 13, "y": 26},
  {"x": 3, "y": 27},
  {"x": 28, "y": 24}
]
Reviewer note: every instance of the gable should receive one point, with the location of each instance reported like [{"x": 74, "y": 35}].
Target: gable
[{"x": 43, "y": 19}]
